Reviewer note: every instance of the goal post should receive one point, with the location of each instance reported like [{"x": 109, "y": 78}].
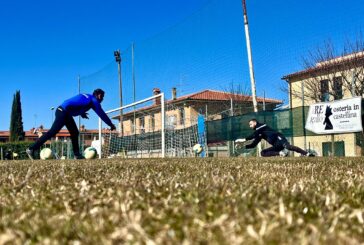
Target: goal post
[{"x": 134, "y": 116}]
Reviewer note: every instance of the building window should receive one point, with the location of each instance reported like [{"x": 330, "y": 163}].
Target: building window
[
  {"x": 182, "y": 116},
  {"x": 152, "y": 123},
  {"x": 338, "y": 88},
  {"x": 142, "y": 124},
  {"x": 325, "y": 96},
  {"x": 171, "y": 122}
]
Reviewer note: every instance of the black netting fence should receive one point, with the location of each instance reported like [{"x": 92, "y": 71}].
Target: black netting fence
[{"x": 290, "y": 122}]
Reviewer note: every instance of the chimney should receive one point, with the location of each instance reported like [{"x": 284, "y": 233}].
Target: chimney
[
  {"x": 156, "y": 91},
  {"x": 174, "y": 93}
]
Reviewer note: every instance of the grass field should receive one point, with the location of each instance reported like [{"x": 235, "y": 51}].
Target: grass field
[{"x": 189, "y": 201}]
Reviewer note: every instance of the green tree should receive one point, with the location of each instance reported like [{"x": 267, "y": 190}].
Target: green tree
[{"x": 16, "y": 122}]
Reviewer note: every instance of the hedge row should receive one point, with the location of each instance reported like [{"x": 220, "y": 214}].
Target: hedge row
[{"x": 14, "y": 147}]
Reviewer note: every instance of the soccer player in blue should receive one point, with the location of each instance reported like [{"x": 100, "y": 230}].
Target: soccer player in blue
[{"x": 75, "y": 106}]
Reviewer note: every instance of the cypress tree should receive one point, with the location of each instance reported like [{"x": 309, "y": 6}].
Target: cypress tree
[{"x": 16, "y": 122}]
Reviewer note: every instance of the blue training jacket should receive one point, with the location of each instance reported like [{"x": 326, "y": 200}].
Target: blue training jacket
[{"x": 81, "y": 103}]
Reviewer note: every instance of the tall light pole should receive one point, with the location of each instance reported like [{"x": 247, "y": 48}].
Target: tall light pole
[
  {"x": 118, "y": 61},
  {"x": 79, "y": 91},
  {"x": 134, "y": 92},
  {"x": 79, "y": 117},
  {"x": 250, "y": 59},
  {"x": 52, "y": 110}
]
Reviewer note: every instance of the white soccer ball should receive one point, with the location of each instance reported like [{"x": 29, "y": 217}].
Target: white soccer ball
[
  {"x": 46, "y": 153},
  {"x": 197, "y": 148},
  {"x": 90, "y": 153}
]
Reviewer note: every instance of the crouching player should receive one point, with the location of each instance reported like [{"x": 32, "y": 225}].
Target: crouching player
[{"x": 280, "y": 145}]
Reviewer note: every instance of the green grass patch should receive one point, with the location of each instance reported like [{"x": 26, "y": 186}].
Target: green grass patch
[{"x": 171, "y": 201}]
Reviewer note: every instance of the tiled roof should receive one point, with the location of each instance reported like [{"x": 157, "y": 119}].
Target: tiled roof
[
  {"x": 350, "y": 59},
  {"x": 4, "y": 133},
  {"x": 7, "y": 134},
  {"x": 213, "y": 95},
  {"x": 210, "y": 95}
]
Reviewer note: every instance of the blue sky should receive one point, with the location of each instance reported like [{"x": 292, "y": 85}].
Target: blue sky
[{"x": 190, "y": 44}]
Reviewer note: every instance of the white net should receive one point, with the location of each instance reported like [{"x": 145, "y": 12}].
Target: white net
[
  {"x": 149, "y": 130},
  {"x": 180, "y": 133}
]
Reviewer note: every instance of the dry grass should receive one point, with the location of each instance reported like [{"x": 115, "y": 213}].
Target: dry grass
[{"x": 189, "y": 201}]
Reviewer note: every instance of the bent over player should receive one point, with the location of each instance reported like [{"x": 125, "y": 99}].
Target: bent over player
[
  {"x": 280, "y": 145},
  {"x": 75, "y": 106}
]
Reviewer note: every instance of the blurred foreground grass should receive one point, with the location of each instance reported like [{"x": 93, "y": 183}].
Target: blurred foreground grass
[{"x": 190, "y": 201}]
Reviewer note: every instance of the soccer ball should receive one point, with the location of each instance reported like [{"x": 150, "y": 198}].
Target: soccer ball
[
  {"x": 46, "y": 153},
  {"x": 197, "y": 148},
  {"x": 90, "y": 153}
]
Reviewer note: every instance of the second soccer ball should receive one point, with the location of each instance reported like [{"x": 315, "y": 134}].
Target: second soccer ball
[
  {"x": 197, "y": 148},
  {"x": 46, "y": 153},
  {"x": 90, "y": 153}
]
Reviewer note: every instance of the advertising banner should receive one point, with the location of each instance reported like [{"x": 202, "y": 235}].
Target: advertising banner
[{"x": 340, "y": 116}]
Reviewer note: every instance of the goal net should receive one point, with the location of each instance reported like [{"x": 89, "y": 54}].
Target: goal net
[{"x": 148, "y": 130}]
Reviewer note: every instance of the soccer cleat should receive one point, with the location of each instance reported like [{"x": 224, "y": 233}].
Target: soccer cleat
[
  {"x": 283, "y": 153},
  {"x": 30, "y": 153},
  {"x": 78, "y": 156},
  {"x": 308, "y": 154}
]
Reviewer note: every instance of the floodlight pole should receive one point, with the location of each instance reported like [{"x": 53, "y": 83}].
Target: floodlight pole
[
  {"x": 134, "y": 92},
  {"x": 79, "y": 117},
  {"x": 118, "y": 61},
  {"x": 250, "y": 59},
  {"x": 79, "y": 92}
]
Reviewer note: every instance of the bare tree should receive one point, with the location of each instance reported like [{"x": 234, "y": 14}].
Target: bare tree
[
  {"x": 352, "y": 70},
  {"x": 319, "y": 66},
  {"x": 241, "y": 98},
  {"x": 328, "y": 73}
]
